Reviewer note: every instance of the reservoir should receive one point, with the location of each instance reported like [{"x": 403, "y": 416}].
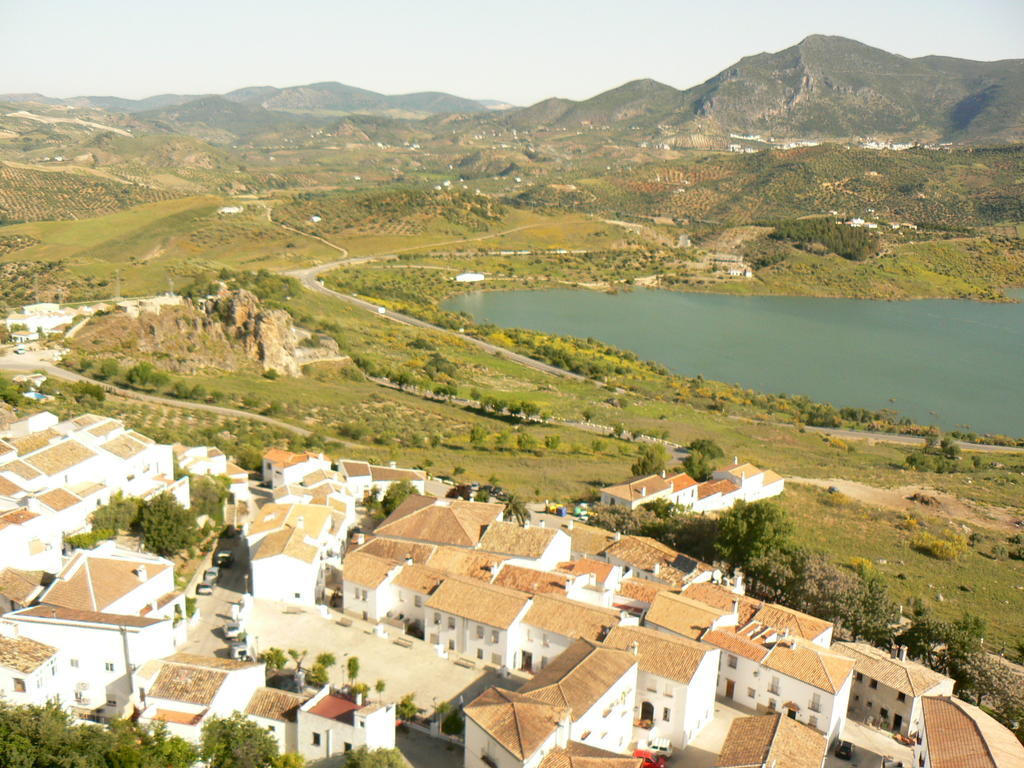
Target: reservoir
[{"x": 949, "y": 363}]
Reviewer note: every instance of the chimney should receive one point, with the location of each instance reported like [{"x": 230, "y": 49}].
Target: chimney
[
  {"x": 736, "y": 606},
  {"x": 359, "y": 539},
  {"x": 738, "y": 586},
  {"x": 903, "y": 653},
  {"x": 894, "y": 651},
  {"x": 359, "y": 699},
  {"x": 140, "y": 572},
  {"x": 569, "y": 524},
  {"x": 542, "y": 523},
  {"x": 635, "y": 647},
  {"x": 643, "y": 491},
  {"x": 526, "y": 523},
  {"x": 408, "y": 559},
  {"x": 393, "y": 465},
  {"x": 618, "y": 536},
  {"x": 735, "y": 459},
  {"x": 663, "y": 474},
  {"x": 657, "y": 569}
]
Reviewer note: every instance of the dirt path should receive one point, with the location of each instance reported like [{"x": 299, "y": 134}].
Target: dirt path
[{"x": 942, "y": 503}]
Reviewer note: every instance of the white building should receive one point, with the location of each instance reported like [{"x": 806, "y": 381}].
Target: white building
[
  {"x": 675, "y": 489},
  {"x": 535, "y": 546},
  {"x": 955, "y": 733},
  {"x": 28, "y": 671},
  {"x": 771, "y": 740},
  {"x": 282, "y": 467},
  {"x": 888, "y": 687},
  {"x": 332, "y": 724},
  {"x": 277, "y": 712},
  {"x": 451, "y": 522},
  {"x": 554, "y": 623},
  {"x": 42, "y": 318}
]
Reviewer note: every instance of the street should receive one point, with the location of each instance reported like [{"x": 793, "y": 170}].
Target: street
[{"x": 206, "y": 636}]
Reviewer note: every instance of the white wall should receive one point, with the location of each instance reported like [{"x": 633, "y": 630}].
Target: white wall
[
  {"x": 39, "y": 686},
  {"x": 608, "y": 724},
  {"x": 285, "y": 579}
]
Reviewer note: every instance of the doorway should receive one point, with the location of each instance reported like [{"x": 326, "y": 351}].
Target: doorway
[
  {"x": 730, "y": 689},
  {"x": 527, "y": 665}
]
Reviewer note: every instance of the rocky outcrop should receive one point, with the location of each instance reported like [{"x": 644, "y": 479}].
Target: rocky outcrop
[{"x": 266, "y": 335}]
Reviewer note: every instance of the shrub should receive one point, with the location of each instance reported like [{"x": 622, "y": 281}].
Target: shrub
[
  {"x": 90, "y": 539},
  {"x": 950, "y": 546}
]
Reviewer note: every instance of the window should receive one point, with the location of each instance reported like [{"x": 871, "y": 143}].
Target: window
[
  {"x": 74, "y": 663},
  {"x": 544, "y": 640},
  {"x": 884, "y": 713},
  {"x": 109, "y": 666},
  {"x": 666, "y": 714},
  {"x": 731, "y": 661},
  {"x": 751, "y": 693},
  {"x": 451, "y": 645},
  {"x": 437, "y": 618},
  {"x": 272, "y": 729},
  {"x": 816, "y": 702},
  {"x": 298, "y": 595},
  {"x": 479, "y": 632},
  {"x": 901, "y": 697},
  {"x": 316, "y": 739},
  {"x": 495, "y": 658},
  {"x": 451, "y": 622},
  {"x": 480, "y": 653},
  {"x": 111, "y": 703},
  {"x": 812, "y": 721},
  {"x": 860, "y": 677},
  {"x": 494, "y": 635},
  {"x": 19, "y": 685},
  {"x": 873, "y": 684},
  {"x": 774, "y": 687},
  {"x": 418, "y": 601},
  {"x": 771, "y": 704}
]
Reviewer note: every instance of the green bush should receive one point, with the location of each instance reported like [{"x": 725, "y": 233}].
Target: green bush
[{"x": 90, "y": 539}]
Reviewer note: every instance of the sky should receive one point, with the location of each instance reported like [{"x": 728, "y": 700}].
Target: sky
[{"x": 520, "y": 52}]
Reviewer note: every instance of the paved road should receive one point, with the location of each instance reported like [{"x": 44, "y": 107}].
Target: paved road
[
  {"x": 206, "y": 637},
  {"x": 888, "y": 437}
]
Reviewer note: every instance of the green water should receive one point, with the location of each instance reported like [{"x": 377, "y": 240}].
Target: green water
[{"x": 949, "y": 363}]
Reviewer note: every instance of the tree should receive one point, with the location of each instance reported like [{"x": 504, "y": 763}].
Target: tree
[
  {"x": 651, "y": 461},
  {"x": 364, "y": 757},
  {"x": 406, "y": 708},
  {"x": 752, "y": 531},
  {"x": 289, "y": 760},
  {"x": 698, "y": 466},
  {"x": 477, "y": 436},
  {"x": 352, "y": 668},
  {"x": 516, "y": 510},
  {"x": 108, "y": 369},
  {"x": 207, "y": 496},
  {"x": 395, "y": 495},
  {"x": 274, "y": 658},
  {"x": 236, "y": 742},
  {"x": 318, "y": 673},
  {"x": 453, "y": 723},
  {"x": 167, "y": 527},
  {"x": 379, "y": 687},
  {"x": 708, "y": 447},
  {"x": 118, "y": 514}
]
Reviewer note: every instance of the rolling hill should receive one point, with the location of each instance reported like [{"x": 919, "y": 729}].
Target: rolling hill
[{"x": 821, "y": 87}]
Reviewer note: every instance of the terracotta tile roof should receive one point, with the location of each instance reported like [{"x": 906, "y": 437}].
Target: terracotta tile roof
[
  {"x": 732, "y": 642},
  {"x": 59, "y": 499},
  {"x": 397, "y": 550},
  {"x": 274, "y": 704},
  {"x": 641, "y": 590},
  {"x": 319, "y": 476},
  {"x": 313, "y": 518},
  {"x": 395, "y": 474},
  {"x": 800, "y": 624},
  {"x": 579, "y": 676},
  {"x": 711, "y": 487},
  {"x": 21, "y": 469},
  {"x": 530, "y": 580},
  {"x": 810, "y": 664},
  {"x": 771, "y": 740},
  {"x": 187, "y": 684},
  {"x": 599, "y": 568},
  {"x": 444, "y": 521},
  {"x": 365, "y": 570},
  {"x": 20, "y": 586},
  {"x": 86, "y": 420},
  {"x": 723, "y": 598},
  {"x": 181, "y": 718},
  {"x": 419, "y": 578},
  {"x": 570, "y": 618},
  {"x": 509, "y": 538},
  {"x": 909, "y": 677},
  {"x": 284, "y": 459},
  {"x": 33, "y": 442},
  {"x": 335, "y": 707},
  {"x": 59, "y": 458},
  {"x": 579, "y": 755},
  {"x": 286, "y": 541},
  {"x": 9, "y": 488},
  {"x": 639, "y": 488},
  {"x": 959, "y": 735},
  {"x": 24, "y": 655},
  {"x": 521, "y": 724},
  {"x": 125, "y": 446},
  {"x": 104, "y": 428},
  {"x": 466, "y": 562},
  {"x": 647, "y": 554},
  {"x": 588, "y": 539},
  {"x": 479, "y": 602},
  {"x": 658, "y": 653},
  {"x": 744, "y": 470},
  {"x": 681, "y": 615},
  {"x": 770, "y": 477},
  {"x": 60, "y": 613},
  {"x": 209, "y": 662},
  {"x": 354, "y": 468},
  {"x": 95, "y": 582},
  {"x": 16, "y": 517},
  {"x": 681, "y": 482},
  {"x": 289, "y": 489},
  {"x": 6, "y": 448}
]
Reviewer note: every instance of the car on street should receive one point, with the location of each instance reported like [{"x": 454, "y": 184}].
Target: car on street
[
  {"x": 651, "y": 760},
  {"x": 232, "y": 631},
  {"x": 661, "y": 746},
  {"x": 844, "y": 750},
  {"x": 211, "y": 575},
  {"x": 239, "y": 649},
  {"x": 224, "y": 559},
  {"x": 204, "y": 588}
]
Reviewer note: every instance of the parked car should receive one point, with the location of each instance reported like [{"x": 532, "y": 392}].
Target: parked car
[
  {"x": 211, "y": 575},
  {"x": 844, "y": 750},
  {"x": 661, "y": 746},
  {"x": 204, "y": 588},
  {"x": 239, "y": 649},
  {"x": 651, "y": 760},
  {"x": 224, "y": 559},
  {"x": 891, "y": 762},
  {"x": 232, "y": 631}
]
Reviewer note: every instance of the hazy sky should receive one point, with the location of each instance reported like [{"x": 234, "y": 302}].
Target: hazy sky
[{"x": 517, "y": 51}]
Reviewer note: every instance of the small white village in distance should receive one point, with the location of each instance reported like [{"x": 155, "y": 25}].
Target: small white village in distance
[{"x": 497, "y": 640}]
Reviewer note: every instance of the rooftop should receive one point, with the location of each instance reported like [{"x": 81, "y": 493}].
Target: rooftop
[
  {"x": 771, "y": 740},
  {"x": 960, "y": 735},
  {"x": 646, "y": 554},
  {"x": 290, "y": 542},
  {"x": 444, "y": 521},
  {"x": 530, "y": 580},
  {"x": 479, "y": 602},
  {"x": 23, "y": 654},
  {"x": 58, "y": 458},
  {"x": 570, "y": 618},
  {"x": 909, "y": 677},
  {"x": 661, "y": 654},
  {"x": 588, "y": 539},
  {"x": 810, "y": 664},
  {"x": 60, "y": 613},
  {"x": 680, "y": 614},
  {"x": 513, "y": 539},
  {"x": 314, "y": 519},
  {"x": 335, "y": 707},
  {"x": 579, "y": 676},
  {"x": 521, "y": 724},
  {"x": 638, "y": 488},
  {"x": 95, "y": 582},
  {"x": 366, "y": 570},
  {"x": 578, "y": 755},
  {"x": 274, "y": 704}
]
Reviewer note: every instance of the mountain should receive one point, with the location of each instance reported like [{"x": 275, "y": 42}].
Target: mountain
[
  {"x": 821, "y": 87},
  {"x": 216, "y": 118}
]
